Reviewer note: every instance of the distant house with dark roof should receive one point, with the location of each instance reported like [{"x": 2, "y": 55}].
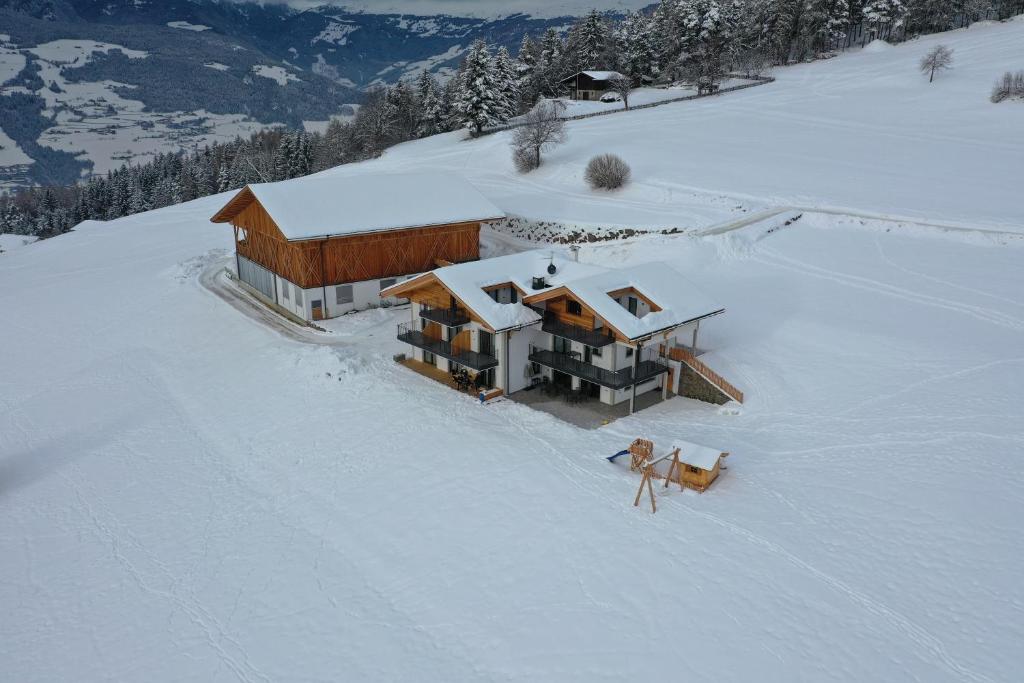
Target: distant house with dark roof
[
  {"x": 590, "y": 85},
  {"x": 325, "y": 245}
]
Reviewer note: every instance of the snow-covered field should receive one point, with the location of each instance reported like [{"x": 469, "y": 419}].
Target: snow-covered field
[
  {"x": 862, "y": 133},
  {"x": 186, "y": 493}
]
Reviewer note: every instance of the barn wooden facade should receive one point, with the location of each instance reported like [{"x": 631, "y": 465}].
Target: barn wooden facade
[{"x": 316, "y": 251}]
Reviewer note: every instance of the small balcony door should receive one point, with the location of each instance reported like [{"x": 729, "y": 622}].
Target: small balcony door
[{"x": 486, "y": 343}]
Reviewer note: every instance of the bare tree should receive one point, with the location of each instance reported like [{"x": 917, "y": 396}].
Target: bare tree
[
  {"x": 939, "y": 58},
  {"x": 607, "y": 172},
  {"x": 623, "y": 87},
  {"x": 542, "y": 129}
]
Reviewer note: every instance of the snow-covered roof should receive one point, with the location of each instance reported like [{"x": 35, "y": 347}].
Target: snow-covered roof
[
  {"x": 694, "y": 454},
  {"x": 601, "y": 75},
  {"x": 321, "y": 205},
  {"x": 679, "y": 299},
  {"x": 468, "y": 280}
]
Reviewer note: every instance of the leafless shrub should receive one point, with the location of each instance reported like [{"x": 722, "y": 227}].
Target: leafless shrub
[
  {"x": 607, "y": 172},
  {"x": 1011, "y": 85}
]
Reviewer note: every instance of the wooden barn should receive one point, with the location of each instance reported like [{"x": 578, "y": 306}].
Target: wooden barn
[
  {"x": 325, "y": 245},
  {"x": 590, "y": 85}
]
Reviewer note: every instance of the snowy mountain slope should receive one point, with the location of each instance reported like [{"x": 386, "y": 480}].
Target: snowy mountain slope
[
  {"x": 188, "y": 494},
  {"x": 84, "y": 98},
  {"x": 863, "y": 132}
]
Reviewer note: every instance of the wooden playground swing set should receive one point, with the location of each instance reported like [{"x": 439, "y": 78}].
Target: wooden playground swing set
[{"x": 696, "y": 468}]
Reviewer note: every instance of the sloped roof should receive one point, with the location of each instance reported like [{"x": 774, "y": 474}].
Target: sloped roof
[
  {"x": 694, "y": 454},
  {"x": 597, "y": 75},
  {"x": 679, "y": 299},
  {"x": 327, "y": 205},
  {"x": 467, "y": 281}
]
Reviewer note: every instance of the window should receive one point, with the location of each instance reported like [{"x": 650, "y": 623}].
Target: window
[
  {"x": 515, "y": 295},
  {"x": 284, "y": 289},
  {"x": 387, "y": 282},
  {"x": 695, "y": 470},
  {"x": 494, "y": 294},
  {"x": 632, "y": 305},
  {"x": 629, "y": 351},
  {"x": 562, "y": 345},
  {"x": 343, "y": 294},
  {"x": 298, "y": 296},
  {"x": 596, "y": 351},
  {"x": 574, "y": 308}
]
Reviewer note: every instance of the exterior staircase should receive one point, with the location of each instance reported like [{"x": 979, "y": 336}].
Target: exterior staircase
[{"x": 712, "y": 377}]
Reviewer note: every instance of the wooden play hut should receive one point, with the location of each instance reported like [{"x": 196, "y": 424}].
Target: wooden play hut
[{"x": 698, "y": 467}]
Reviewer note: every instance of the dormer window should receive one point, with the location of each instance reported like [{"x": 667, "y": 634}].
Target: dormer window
[{"x": 631, "y": 304}]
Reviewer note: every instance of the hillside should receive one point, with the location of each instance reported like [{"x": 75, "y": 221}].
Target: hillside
[
  {"x": 189, "y": 493},
  {"x": 175, "y": 75}
]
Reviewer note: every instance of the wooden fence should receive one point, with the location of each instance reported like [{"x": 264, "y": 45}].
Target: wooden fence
[{"x": 754, "y": 82}]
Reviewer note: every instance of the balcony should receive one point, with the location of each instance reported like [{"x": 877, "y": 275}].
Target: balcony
[
  {"x": 593, "y": 338},
  {"x": 408, "y": 333},
  {"x": 613, "y": 379},
  {"x": 449, "y": 317}
]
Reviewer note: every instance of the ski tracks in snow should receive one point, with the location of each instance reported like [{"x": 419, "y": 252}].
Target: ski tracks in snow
[{"x": 915, "y": 633}]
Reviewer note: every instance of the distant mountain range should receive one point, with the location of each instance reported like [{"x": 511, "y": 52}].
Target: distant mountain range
[{"x": 86, "y": 85}]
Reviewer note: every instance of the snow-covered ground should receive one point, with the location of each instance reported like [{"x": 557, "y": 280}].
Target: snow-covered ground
[
  {"x": 863, "y": 132},
  {"x": 187, "y": 493},
  {"x": 275, "y": 73},
  {"x": 9, "y": 243}
]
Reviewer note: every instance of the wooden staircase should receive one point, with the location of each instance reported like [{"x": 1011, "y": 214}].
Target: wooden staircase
[{"x": 691, "y": 361}]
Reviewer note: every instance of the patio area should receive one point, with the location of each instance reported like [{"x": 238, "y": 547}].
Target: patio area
[{"x": 589, "y": 414}]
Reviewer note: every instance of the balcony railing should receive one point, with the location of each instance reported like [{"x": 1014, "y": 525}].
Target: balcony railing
[
  {"x": 449, "y": 317},
  {"x": 410, "y": 334},
  {"x": 613, "y": 379},
  {"x": 592, "y": 338}
]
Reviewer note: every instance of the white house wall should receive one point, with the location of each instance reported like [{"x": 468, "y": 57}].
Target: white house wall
[{"x": 365, "y": 295}]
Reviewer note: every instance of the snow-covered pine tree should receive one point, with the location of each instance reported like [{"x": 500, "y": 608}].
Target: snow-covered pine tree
[
  {"x": 823, "y": 22},
  {"x": 405, "y": 109},
  {"x": 884, "y": 13},
  {"x": 929, "y": 16},
  {"x": 637, "y": 58},
  {"x": 667, "y": 35},
  {"x": 508, "y": 81},
  {"x": 137, "y": 202},
  {"x": 709, "y": 28},
  {"x": 481, "y": 103},
  {"x": 594, "y": 45},
  {"x": 431, "y": 117}
]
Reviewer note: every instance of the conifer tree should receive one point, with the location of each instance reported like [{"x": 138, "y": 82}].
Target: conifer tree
[{"x": 481, "y": 104}]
